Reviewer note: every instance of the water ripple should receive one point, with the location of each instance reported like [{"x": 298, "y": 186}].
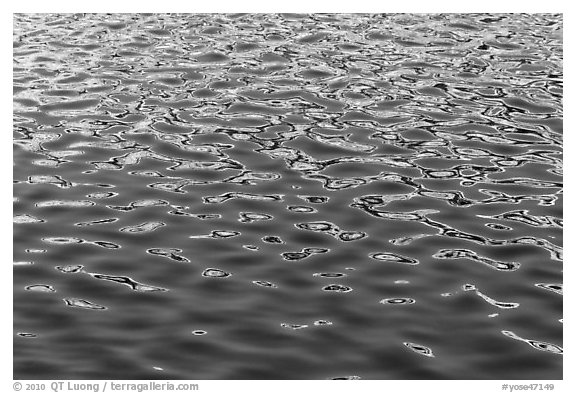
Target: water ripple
[{"x": 357, "y": 170}]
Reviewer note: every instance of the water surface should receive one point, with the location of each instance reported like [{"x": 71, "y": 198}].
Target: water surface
[{"x": 288, "y": 196}]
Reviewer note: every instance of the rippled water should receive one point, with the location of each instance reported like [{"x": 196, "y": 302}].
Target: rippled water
[{"x": 288, "y": 196}]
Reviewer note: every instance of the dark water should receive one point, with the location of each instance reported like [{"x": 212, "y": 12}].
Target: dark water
[{"x": 288, "y": 196}]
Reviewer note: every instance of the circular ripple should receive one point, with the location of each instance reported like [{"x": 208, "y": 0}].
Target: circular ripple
[
  {"x": 106, "y": 244},
  {"x": 498, "y": 227},
  {"x": 302, "y": 209},
  {"x": 272, "y": 239},
  {"x": 224, "y": 234},
  {"x": 70, "y": 268},
  {"x": 62, "y": 240},
  {"x": 294, "y": 256},
  {"x": 248, "y": 217},
  {"x": 421, "y": 349},
  {"x": 22, "y": 263},
  {"x": 314, "y": 198},
  {"x": 251, "y": 247},
  {"x": 26, "y": 219},
  {"x": 398, "y": 300},
  {"x": 40, "y": 288},
  {"x": 315, "y": 250},
  {"x": 27, "y": 335},
  {"x": 217, "y": 273},
  {"x": 315, "y": 226},
  {"x": 330, "y": 275},
  {"x": 265, "y": 284},
  {"x": 548, "y": 347},
  {"x": 351, "y": 236},
  {"x": 337, "y": 288},
  {"x": 102, "y": 195},
  {"x": 391, "y": 257},
  {"x": 556, "y": 288},
  {"x": 293, "y": 326}
]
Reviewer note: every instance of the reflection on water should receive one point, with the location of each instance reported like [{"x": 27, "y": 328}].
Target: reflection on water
[{"x": 288, "y": 196}]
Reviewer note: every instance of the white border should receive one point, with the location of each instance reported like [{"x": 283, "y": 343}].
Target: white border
[
  {"x": 301, "y": 6},
  {"x": 297, "y": 6}
]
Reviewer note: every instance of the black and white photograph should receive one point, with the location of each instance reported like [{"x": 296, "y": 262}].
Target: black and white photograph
[{"x": 259, "y": 196}]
